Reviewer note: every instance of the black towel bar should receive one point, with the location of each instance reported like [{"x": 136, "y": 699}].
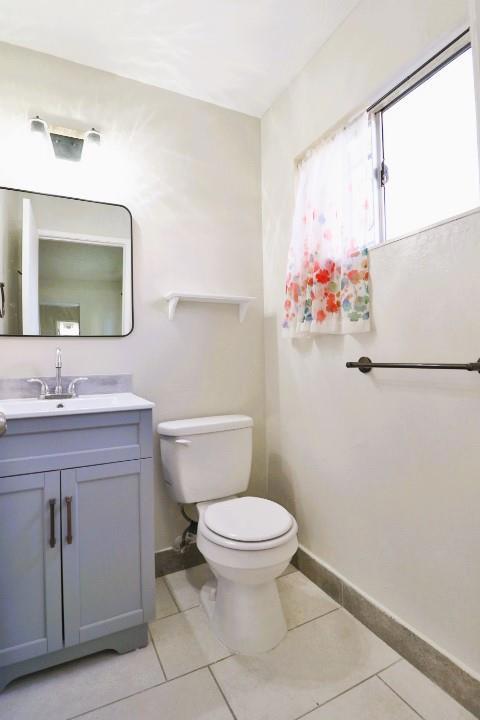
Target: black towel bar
[{"x": 364, "y": 364}]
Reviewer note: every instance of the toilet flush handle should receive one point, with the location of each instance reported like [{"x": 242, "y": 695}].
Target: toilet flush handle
[{"x": 182, "y": 441}]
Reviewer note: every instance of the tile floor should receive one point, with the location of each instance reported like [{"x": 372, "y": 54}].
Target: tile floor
[{"x": 329, "y": 667}]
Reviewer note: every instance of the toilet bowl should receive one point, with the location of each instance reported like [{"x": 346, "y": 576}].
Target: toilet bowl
[
  {"x": 244, "y": 606},
  {"x": 247, "y": 541}
]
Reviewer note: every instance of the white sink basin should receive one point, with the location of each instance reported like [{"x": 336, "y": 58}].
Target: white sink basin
[{"x": 31, "y": 408}]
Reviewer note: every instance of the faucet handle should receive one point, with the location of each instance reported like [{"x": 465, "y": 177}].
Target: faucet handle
[
  {"x": 72, "y": 386},
  {"x": 43, "y": 387}
]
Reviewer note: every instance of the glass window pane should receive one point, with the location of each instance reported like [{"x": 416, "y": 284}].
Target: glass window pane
[{"x": 430, "y": 148}]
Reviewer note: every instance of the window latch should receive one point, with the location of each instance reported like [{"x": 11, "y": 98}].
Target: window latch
[{"x": 383, "y": 174}]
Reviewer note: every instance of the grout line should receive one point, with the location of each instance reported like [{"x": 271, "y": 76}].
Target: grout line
[
  {"x": 170, "y": 592},
  {"x": 202, "y": 667},
  {"x": 387, "y": 667},
  {"x": 113, "y": 702},
  {"x": 344, "y": 692},
  {"x": 209, "y": 667},
  {"x": 164, "y": 617},
  {"x": 156, "y": 653},
  {"x": 221, "y": 692},
  {"x": 399, "y": 696},
  {"x": 329, "y": 612},
  {"x": 395, "y": 662},
  {"x": 161, "y": 684},
  {"x": 309, "y": 712}
]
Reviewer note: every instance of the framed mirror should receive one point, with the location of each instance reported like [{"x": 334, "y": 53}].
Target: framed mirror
[{"x": 65, "y": 266}]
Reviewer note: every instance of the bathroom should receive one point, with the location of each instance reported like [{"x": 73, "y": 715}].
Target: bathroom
[{"x": 171, "y": 137}]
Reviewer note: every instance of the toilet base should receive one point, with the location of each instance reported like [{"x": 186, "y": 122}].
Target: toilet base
[{"x": 248, "y": 619}]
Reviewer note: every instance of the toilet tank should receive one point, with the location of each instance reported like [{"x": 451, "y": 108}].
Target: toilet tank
[{"x": 206, "y": 458}]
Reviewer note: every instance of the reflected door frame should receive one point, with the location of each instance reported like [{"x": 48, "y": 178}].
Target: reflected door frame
[{"x": 124, "y": 243}]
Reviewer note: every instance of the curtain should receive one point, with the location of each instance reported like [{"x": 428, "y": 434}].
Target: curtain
[{"x": 327, "y": 284}]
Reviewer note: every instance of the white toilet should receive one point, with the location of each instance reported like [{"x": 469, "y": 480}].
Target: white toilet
[{"x": 247, "y": 541}]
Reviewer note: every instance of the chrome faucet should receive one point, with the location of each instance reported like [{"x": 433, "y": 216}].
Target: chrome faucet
[
  {"x": 58, "y": 366},
  {"x": 57, "y": 392}
]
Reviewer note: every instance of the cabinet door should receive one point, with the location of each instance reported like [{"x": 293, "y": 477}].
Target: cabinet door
[
  {"x": 30, "y": 566},
  {"x": 103, "y": 508}
]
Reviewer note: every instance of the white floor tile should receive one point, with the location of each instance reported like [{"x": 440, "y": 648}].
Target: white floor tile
[
  {"x": 289, "y": 569},
  {"x": 193, "y": 697},
  {"x": 314, "y": 663},
  {"x": 185, "y": 642},
  {"x": 81, "y": 685},
  {"x": 164, "y": 603},
  {"x": 372, "y": 700},
  {"x": 302, "y": 600},
  {"x": 185, "y": 585},
  {"x": 422, "y": 694}
]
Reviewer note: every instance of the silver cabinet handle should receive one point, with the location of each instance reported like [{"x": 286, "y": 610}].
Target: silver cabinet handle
[
  {"x": 3, "y": 423},
  {"x": 182, "y": 441}
]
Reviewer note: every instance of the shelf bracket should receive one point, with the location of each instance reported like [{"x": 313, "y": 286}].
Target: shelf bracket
[
  {"x": 172, "y": 306},
  {"x": 242, "y": 310}
]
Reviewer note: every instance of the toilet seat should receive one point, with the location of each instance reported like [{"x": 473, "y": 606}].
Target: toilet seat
[
  {"x": 247, "y": 523},
  {"x": 248, "y": 519}
]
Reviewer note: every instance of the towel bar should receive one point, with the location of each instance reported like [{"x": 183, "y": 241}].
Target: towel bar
[{"x": 365, "y": 365}]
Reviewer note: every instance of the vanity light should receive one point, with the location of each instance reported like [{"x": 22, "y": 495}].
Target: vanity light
[
  {"x": 41, "y": 145},
  {"x": 37, "y": 125},
  {"x": 93, "y": 137},
  {"x": 67, "y": 143}
]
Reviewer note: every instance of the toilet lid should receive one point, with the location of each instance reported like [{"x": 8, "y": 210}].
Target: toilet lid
[{"x": 248, "y": 519}]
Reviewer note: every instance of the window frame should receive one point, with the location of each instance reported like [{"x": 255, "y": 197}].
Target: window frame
[{"x": 443, "y": 57}]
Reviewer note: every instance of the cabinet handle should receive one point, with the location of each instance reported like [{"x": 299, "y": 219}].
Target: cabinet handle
[
  {"x": 68, "y": 501},
  {"x": 53, "y": 540}
]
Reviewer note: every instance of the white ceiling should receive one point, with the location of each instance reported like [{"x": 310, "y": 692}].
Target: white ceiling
[{"x": 237, "y": 53}]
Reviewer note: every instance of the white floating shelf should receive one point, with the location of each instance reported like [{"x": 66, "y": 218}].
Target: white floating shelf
[{"x": 173, "y": 298}]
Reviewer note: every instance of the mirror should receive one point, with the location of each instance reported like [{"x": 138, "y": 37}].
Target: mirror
[{"x": 65, "y": 266}]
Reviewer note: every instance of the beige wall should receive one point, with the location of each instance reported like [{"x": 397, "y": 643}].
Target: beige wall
[
  {"x": 189, "y": 172},
  {"x": 382, "y": 471}
]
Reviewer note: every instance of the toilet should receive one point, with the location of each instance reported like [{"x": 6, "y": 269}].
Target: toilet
[{"x": 247, "y": 541}]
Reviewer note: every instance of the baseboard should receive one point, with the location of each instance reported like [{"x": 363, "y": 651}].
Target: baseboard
[
  {"x": 169, "y": 560},
  {"x": 433, "y": 663}
]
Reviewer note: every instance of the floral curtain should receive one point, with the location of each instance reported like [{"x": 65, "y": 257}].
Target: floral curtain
[{"x": 327, "y": 285}]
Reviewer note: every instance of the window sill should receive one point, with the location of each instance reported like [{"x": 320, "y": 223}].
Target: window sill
[{"x": 426, "y": 228}]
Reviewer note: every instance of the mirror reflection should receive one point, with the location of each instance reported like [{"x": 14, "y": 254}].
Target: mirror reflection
[{"x": 65, "y": 266}]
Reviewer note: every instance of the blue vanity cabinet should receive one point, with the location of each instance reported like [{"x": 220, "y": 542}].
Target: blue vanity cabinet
[
  {"x": 30, "y": 567},
  {"x": 76, "y": 538},
  {"x": 102, "y": 557}
]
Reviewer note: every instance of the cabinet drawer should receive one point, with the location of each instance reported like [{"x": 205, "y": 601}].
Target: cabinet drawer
[{"x": 67, "y": 441}]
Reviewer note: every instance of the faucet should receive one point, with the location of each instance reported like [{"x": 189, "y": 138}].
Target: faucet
[
  {"x": 58, "y": 365},
  {"x": 57, "y": 393}
]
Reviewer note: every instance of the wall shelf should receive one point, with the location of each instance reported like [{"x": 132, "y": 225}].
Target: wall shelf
[{"x": 173, "y": 298}]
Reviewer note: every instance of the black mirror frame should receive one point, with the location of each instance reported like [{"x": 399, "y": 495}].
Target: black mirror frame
[{"x": 83, "y": 337}]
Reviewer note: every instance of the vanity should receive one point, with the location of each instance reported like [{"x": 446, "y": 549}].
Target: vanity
[{"x": 76, "y": 529}]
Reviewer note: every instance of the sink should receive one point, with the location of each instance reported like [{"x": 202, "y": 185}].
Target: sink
[{"x": 108, "y": 402}]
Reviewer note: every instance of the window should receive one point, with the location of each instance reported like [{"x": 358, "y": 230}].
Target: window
[{"x": 427, "y": 145}]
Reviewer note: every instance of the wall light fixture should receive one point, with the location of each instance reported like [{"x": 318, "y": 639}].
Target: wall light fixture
[{"x": 67, "y": 143}]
